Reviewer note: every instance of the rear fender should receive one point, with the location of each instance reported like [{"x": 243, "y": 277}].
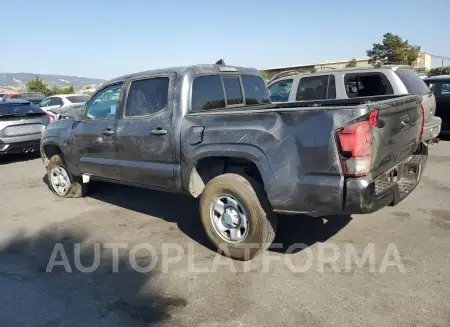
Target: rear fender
[{"x": 239, "y": 151}]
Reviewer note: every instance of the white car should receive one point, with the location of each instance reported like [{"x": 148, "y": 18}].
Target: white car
[{"x": 61, "y": 105}]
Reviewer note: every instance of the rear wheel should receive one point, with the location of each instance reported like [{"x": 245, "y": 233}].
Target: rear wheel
[
  {"x": 62, "y": 182},
  {"x": 237, "y": 216}
]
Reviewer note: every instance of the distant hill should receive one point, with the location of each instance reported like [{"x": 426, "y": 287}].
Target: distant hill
[{"x": 18, "y": 81}]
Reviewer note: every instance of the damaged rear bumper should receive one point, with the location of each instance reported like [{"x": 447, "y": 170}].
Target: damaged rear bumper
[{"x": 367, "y": 195}]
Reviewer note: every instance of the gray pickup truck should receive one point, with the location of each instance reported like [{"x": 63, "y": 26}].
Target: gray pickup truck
[{"x": 211, "y": 131}]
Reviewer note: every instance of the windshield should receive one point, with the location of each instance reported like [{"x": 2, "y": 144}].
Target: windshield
[
  {"x": 19, "y": 109},
  {"x": 78, "y": 98},
  {"x": 413, "y": 83}
]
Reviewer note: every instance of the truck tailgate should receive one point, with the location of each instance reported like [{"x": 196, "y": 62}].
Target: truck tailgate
[{"x": 396, "y": 135}]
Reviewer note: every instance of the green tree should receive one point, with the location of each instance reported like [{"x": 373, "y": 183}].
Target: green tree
[
  {"x": 439, "y": 71},
  {"x": 264, "y": 74},
  {"x": 393, "y": 49},
  {"x": 38, "y": 85},
  {"x": 62, "y": 90},
  {"x": 351, "y": 63}
]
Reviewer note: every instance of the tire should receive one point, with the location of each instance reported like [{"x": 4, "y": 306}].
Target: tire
[
  {"x": 76, "y": 188},
  {"x": 261, "y": 221}
]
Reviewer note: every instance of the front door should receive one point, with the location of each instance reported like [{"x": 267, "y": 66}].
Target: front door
[
  {"x": 95, "y": 136},
  {"x": 145, "y": 135}
]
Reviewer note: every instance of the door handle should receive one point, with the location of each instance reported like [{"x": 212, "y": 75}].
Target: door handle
[
  {"x": 108, "y": 132},
  {"x": 158, "y": 131}
]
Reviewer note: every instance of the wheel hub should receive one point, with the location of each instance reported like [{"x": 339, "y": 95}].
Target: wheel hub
[{"x": 231, "y": 217}]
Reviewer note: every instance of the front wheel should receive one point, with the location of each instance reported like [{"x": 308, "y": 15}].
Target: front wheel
[
  {"x": 62, "y": 182},
  {"x": 237, "y": 216}
]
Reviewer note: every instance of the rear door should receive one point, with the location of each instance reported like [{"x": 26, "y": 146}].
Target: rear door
[
  {"x": 95, "y": 136},
  {"x": 145, "y": 134},
  {"x": 415, "y": 85}
]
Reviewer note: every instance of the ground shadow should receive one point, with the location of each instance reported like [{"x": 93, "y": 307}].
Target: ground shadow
[
  {"x": 184, "y": 211},
  {"x": 301, "y": 231},
  {"x": 34, "y": 294},
  {"x": 12, "y": 158},
  {"x": 177, "y": 208}
]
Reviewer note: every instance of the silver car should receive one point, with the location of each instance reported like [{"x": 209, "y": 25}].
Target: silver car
[
  {"x": 358, "y": 82},
  {"x": 63, "y": 105},
  {"x": 21, "y": 125}
]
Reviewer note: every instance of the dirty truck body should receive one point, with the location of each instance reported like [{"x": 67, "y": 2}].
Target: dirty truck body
[{"x": 245, "y": 157}]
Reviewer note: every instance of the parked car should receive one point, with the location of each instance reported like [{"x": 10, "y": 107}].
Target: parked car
[
  {"x": 64, "y": 106},
  {"x": 21, "y": 125},
  {"x": 211, "y": 131},
  {"x": 351, "y": 83},
  {"x": 33, "y": 97},
  {"x": 440, "y": 86}
]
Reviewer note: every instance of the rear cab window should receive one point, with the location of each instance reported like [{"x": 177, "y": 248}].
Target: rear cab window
[
  {"x": 367, "y": 84},
  {"x": 413, "y": 83},
  {"x": 213, "y": 92}
]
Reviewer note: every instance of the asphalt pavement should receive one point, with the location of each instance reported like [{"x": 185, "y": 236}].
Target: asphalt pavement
[{"x": 390, "y": 268}]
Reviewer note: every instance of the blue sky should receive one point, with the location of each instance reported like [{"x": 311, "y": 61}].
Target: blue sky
[{"x": 109, "y": 38}]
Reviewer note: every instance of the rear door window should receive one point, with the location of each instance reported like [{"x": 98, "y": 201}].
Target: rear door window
[
  {"x": 56, "y": 102},
  {"x": 316, "y": 88},
  {"x": 367, "y": 84},
  {"x": 147, "y": 96},
  {"x": 279, "y": 91},
  {"x": 413, "y": 83}
]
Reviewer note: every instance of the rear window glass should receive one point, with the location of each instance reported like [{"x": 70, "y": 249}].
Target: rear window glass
[
  {"x": 233, "y": 90},
  {"x": 255, "y": 90},
  {"x": 210, "y": 92},
  {"x": 367, "y": 84},
  {"x": 413, "y": 83},
  {"x": 316, "y": 88},
  {"x": 19, "y": 109},
  {"x": 78, "y": 98}
]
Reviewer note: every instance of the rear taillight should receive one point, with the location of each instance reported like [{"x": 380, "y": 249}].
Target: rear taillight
[
  {"x": 355, "y": 146},
  {"x": 423, "y": 122},
  {"x": 51, "y": 115}
]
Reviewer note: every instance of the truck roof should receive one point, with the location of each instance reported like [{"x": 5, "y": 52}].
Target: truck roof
[{"x": 203, "y": 69}]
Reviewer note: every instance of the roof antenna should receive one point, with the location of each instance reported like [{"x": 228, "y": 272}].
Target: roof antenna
[{"x": 220, "y": 62}]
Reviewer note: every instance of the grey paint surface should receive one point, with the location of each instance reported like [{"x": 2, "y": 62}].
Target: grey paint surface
[
  {"x": 33, "y": 220},
  {"x": 293, "y": 146}
]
